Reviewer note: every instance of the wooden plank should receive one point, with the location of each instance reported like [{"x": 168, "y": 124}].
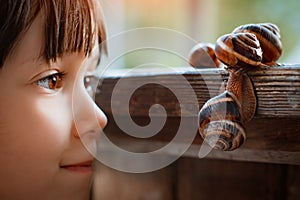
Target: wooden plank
[
  {"x": 269, "y": 140},
  {"x": 272, "y": 136},
  {"x": 293, "y": 183},
  {"x": 277, "y": 89},
  {"x": 214, "y": 179},
  {"x": 112, "y": 184}
]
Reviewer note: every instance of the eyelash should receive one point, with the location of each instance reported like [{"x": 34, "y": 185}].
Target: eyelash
[
  {"x": 52, "y": 82},
  {"x": 58, "y": 78}
]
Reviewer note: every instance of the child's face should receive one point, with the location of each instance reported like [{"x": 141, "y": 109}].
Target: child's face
[{"x": 40, "y": 145}]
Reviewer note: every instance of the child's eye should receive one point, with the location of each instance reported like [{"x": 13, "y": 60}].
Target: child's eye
[{"x": 51, "y": 82}]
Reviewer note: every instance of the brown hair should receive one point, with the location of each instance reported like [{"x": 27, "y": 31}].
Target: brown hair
[{"x": 70, "y": 26}]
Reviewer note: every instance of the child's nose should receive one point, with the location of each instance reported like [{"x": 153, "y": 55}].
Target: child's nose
[
  {"x": 102, "y": 119},
  {"x": 88, "y": 117}
]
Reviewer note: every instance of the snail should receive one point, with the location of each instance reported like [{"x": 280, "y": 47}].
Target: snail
[
  {"x": 222, "y": 118},
  {"x": 248, "y": 47},
  {"x": 221, "y": 122},
  {"x": 268, "y": 35},
  {"x": 203, "y": 55},
  {"x": 239, "y": 51}
]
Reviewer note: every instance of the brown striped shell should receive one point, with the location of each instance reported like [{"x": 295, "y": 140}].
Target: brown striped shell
[
  {"x": 239, "y": 51},
  {"x": 203, "y": 55},
  {"x": 268, "y": 35},
  {"x": 220, "y": 122},
  {"x": 221, "y": 118}
]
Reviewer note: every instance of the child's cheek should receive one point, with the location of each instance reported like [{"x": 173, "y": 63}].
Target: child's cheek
[
  {"x": 55, "y": 117},
  {"x": 34, "y": 133}
]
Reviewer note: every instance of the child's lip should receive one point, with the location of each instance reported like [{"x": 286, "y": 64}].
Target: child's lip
[{"x": 82, "y": 167}]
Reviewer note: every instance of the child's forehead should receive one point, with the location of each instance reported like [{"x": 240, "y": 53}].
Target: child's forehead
[
  {"x": 36, "y": 42},
  {"x": 66, "y": 27},
  {"x": 30, "y": 44}
]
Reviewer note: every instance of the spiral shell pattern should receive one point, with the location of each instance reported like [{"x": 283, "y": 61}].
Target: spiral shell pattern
[
  {"x": 203, "y": 55},
  {"x": 248, "y": 47},
  {"x": 239, "y": 50},
  {"x": 268, "y": 35},
  {"x": 221, "y": 122}
]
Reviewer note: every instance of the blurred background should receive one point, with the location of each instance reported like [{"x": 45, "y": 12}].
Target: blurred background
[
  {"x": 198, "y": 20},
  {"x": 177, "y": 25}
]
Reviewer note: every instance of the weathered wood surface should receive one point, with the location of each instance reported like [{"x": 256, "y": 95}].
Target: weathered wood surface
[
  {"x": 113, "y": 184},
  {"x": 273, "y": 136},
  {"x": 214, "y": 179},
  {"x": 204, "y": 179},
  {"x": 277, "y": 90},
  {"x": 269, "y": 140}
]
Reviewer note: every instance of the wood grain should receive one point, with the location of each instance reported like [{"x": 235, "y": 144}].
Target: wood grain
[
  {"x": 113, "y": 184},
  {"x": 277, "y": 90},
  {"x": 272, "y": 136},
  {"x": 293, "y": 183},
  {"x": 266, "y": 141},
  {"x": 214, "y": 179}
]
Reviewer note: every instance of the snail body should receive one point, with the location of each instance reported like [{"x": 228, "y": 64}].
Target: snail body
[
  {"x": 241, "y": 86},
  {"x": 241, "y": 52},
  {"x": 249, "y": 101}
]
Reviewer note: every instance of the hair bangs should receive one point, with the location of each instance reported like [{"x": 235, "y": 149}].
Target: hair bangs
[
  {"x": 15, "y": 18},
  {"x": 72, "y": 26}
]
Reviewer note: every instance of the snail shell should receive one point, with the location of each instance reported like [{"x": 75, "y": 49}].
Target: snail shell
[
  {"x": 221, "y": 122},
  {"x": 239, "y": 51},
  {"x": 269, "y": 37},
  {"x": 221, "y": 118},
  {"x": 203, "y": 55}
]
